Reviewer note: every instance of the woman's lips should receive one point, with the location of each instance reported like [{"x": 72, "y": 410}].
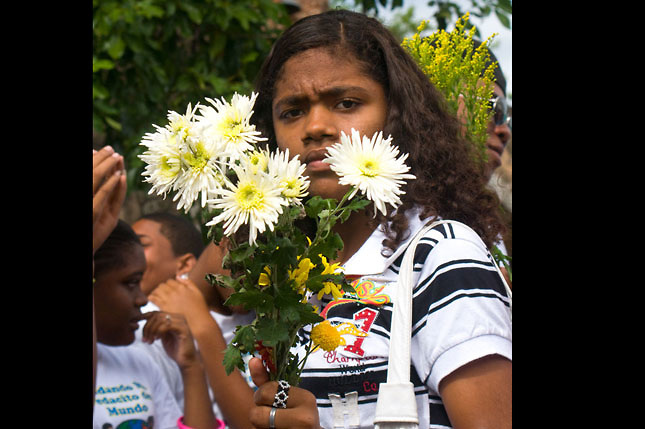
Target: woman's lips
[
  {"x": 318, "y": 165},
  {"x": 314, "y": 160}
]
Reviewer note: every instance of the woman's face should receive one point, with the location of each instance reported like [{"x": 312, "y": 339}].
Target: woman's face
[
  {"x": 318, "y": 95},
  {"x": 118, "y": 298}
]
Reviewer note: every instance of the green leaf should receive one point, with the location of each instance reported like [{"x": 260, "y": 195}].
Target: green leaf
[
  {"x": 242, "y": 16},
  {"x": 354, "y": 205},
  {"x": 505, "y": 5},
  {"x": 317, "y": 204},
  {"x": 222, "y": 280},
  {"x": 503, "y": 18},
  {"x": 149, "y": 10},
  {"x": 251, "y": 299},
  {"x": 329, "y": 246},
  {"x": 309, "y": 316},
  {"x": 115, "y": 47},
  {"x": 242, "y": 253},
  {"x": 101, "y": 65},
  {"x": 99, "y": 91},
  {"x": 245, "y": 338},
  {"x": 233, "y": 359},
  {"x": 114, "y": 124},
  {"x": 284, "y": 253},
  {"x": 194, "y": 13},
  {"x": 249, "y": 57},
  {"x": 290, "y": 313},
  {"x": 271, "y": 332}
]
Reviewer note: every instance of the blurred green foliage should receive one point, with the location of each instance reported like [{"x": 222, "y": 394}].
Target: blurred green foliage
[{"x": 151, "y": 56}]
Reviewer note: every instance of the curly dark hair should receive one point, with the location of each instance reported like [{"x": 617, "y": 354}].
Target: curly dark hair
[{"x": 450, "y": 180}]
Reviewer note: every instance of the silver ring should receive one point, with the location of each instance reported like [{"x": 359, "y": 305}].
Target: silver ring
[
  {"x": 272, "y": 418},
  {"x": 282, "y": 395}
]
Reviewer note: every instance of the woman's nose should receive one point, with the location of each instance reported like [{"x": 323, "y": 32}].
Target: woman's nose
[{"x": 319, "y": 125}]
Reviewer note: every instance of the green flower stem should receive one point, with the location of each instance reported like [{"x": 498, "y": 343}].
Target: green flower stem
[
  {"x": 324, "y": 224},
  {"x": 301, "y": 364},
  {"x": 282, "y": 353}
]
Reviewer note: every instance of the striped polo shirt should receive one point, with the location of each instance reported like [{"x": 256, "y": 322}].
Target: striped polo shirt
[{"x": 461, "y": 312}]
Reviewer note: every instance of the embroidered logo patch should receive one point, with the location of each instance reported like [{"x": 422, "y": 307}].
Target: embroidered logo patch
[
  {"x": 369, "y": 293},
  {"x": 366, "y": 293}
]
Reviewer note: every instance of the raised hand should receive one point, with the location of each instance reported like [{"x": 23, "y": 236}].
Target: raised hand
[{"x": 108, "y": 190}]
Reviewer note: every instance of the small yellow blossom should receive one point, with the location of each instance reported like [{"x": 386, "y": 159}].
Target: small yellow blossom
[
  {"x": 325, "y": 336},
  {"x": 328, "y": 337},
  {"x": 329, "y": 268},
  {"x": 331, "y": 288},
  {"x": 264, "y": 279},
  {"x": 301, "y": 274}
]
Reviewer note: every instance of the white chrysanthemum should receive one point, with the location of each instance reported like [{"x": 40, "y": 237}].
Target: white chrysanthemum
[
  {"x": 182, "y": 126},
  {"x": 231, "y": 123},
  {"x": 201, "y": 172},
  {"x": 258, "y": 160},
  {"x": 254, "y": 200},
  {"x": 371, "y": 166},
  {"x": 288, "y": 173},
  {"x": 163, "y": 160}
]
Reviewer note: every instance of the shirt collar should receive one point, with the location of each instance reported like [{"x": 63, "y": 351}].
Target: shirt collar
[{"x": 368, "y": 260}]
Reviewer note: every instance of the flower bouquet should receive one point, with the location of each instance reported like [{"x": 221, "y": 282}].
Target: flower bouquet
[{"x": 256, "y": 199}]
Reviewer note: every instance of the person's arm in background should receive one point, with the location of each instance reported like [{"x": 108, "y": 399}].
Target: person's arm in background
[
  {"x": 108, "y": 194},
  {"x": 232, "y": 393},
  {"x": 174, "y": 332},
  {"x": 210, "y": 262}
]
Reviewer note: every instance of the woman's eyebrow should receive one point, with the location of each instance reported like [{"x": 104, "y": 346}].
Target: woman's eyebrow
[{"x": 335, "y": 91}]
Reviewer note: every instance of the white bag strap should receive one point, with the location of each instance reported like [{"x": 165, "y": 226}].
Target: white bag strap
[{"x": 396, "y": 406}]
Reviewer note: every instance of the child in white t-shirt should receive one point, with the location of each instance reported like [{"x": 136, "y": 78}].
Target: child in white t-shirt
[{"x": 129, "y": 385}]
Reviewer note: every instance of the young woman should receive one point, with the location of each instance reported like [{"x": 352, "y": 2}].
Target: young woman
[
  {"x": 341, "y": 70},
  {"x": 129, "y": 384}
]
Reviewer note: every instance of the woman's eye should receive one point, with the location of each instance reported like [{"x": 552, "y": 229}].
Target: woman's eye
[
  {"x": 347, "y": 104},
  {"x": 291, "y": 113}
]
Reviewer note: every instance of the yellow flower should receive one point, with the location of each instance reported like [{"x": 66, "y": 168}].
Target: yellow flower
[
  {"x": 329, "y": 269},
  {"x": 328, "y": 337},
  {"x": 325, "y": 336},
  {"x": 264, "y": 279},
  {"x": 329, "y": 287},
  {"x": 301, "y": 274}
]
